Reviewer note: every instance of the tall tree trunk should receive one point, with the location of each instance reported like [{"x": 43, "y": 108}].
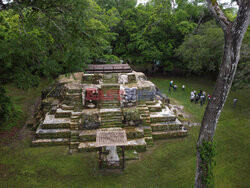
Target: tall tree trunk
[{"x": 233, "y": 35}]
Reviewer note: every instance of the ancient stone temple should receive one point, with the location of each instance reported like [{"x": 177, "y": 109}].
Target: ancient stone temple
[{"x": 106, "y": 97}]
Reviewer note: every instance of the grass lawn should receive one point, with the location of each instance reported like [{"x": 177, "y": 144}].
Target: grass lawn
[
  {"x": 24, "y": 100},
  {"x": 170, "y": 163}
]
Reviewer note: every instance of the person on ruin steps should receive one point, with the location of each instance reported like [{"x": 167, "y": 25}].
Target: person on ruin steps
[{"x": 234, "y": 102}]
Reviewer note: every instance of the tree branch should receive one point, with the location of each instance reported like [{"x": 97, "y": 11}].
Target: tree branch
[
  {"x": 242, "y": 20},
  {"x": 219, "y": 15},
  {"x": 51, "y": 19}
]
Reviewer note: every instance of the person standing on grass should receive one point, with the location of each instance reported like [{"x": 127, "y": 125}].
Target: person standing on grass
[
  {"x": 200, "y": 93},
  {"x": 201, "y": 99},
  {"x": 234, "y": 102},
  {"x": 192, "y": 96},
  {"x": 183, "y": 87},
  {"x": 171, "y": 83},
  {"x": 204, "y": 94},
  {"x": 208, "y": 97},
  {"x": 196, "y": 99},
  {"x": 174, "y": 87}
]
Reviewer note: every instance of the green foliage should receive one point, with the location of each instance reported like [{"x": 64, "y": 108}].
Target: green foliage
[
  {"x": 202, "y": 52},
  {"x": 131, "y": 114},
  {"x": 8, "y": 112},
  {"x": 150, "y": 33},
  {"x": 53, "y": 37},
  {"x": 207, "y": 154}
]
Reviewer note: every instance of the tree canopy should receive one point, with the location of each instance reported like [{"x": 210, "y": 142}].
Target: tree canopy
[{"x": 48, "y": 38}]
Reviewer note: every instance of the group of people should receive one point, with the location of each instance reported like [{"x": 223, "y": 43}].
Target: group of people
[
  {"x": 197, "y": 97},
  {"x": 201, "y": 96},
  {"x": 174, "y": 86}
]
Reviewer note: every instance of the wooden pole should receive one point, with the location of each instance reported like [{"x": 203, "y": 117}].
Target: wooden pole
[
  {"x": 100, "y": 157},
  {"x": 123, "y": 158}
]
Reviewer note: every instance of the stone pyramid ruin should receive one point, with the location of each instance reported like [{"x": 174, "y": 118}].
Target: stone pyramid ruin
[{"x": 105, "y": 97}]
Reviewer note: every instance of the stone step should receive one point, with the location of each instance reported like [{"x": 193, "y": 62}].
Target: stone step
[
  {"x": 66, "y": 107},
  {"x": 161, "y": 117},
  {"x": 50, "y": 142},
  {"x": 52, "y": 133},
  {"x": 155, "y": 108},
  {"x": 111, "y": 124},
  {"x": 110, "y": 102},
  {"x": 151, "y": 102},
  {"x": 75, "y": 118},
  {"x": 74, "y": 145},
  {"x": 110, "y": 106},
  {"x": 110, "y": 112},
  {"x": 76, "y": 113},
  {"x": 74, "y": 132},
  {"x": 87, "y": 147},
  {"x": 147, "y": 131},
  {"x": 143, "y": 108},
  {"x": 107, "y": 115},
  {"x": 139, "y": 145},
  {"x": 172, "y": 125},
  {"x": 149, "y": 140},
  {"x": 169, "y": 134},
  {"x": 145, "y": 115},
  {"x": 74, "y": 125},
  {"x": 87, "y": 135},
  {"x": 145, "y": 118},
  {"x": 74, "y": 137},
  {"x": 50, "y": 122},
  {"x": 60, "y": 113},
  {"x": 110, "y": 121},
  {"x": 134, "y": 132}
]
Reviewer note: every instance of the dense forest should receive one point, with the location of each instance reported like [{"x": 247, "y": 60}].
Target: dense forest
[{"x": 48, "y": 38}]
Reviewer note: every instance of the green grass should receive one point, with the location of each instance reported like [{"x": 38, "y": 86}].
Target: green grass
[
  {"x": 23, "y": 100},
  {"x": 170, "y": 163}
]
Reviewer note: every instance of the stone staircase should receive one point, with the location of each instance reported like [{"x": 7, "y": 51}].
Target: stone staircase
[
  {"x": 74, "y": 140},
  {"x": 144, "y": 114},
  {"x": 73, "y": 99},
  {"x": 52, "y": 131},
  {"x": 111, "y": 117},
  {"x": 110, "y": 96},
  {"x": 57, "y": 128},
  {"x": 164, "y": 124},
  {"x": 154, "y": 106},
  {"x": 148, "y": 135}
]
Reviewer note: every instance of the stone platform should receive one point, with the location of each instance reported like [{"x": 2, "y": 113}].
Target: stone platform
[{"x": 80, "y": 104}]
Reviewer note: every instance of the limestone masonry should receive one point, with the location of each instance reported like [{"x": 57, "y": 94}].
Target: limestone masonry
[{"x": 78, "y": 105}]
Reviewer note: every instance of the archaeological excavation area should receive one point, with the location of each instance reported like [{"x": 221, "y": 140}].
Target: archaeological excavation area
[{"x": 108, "y": 109}]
